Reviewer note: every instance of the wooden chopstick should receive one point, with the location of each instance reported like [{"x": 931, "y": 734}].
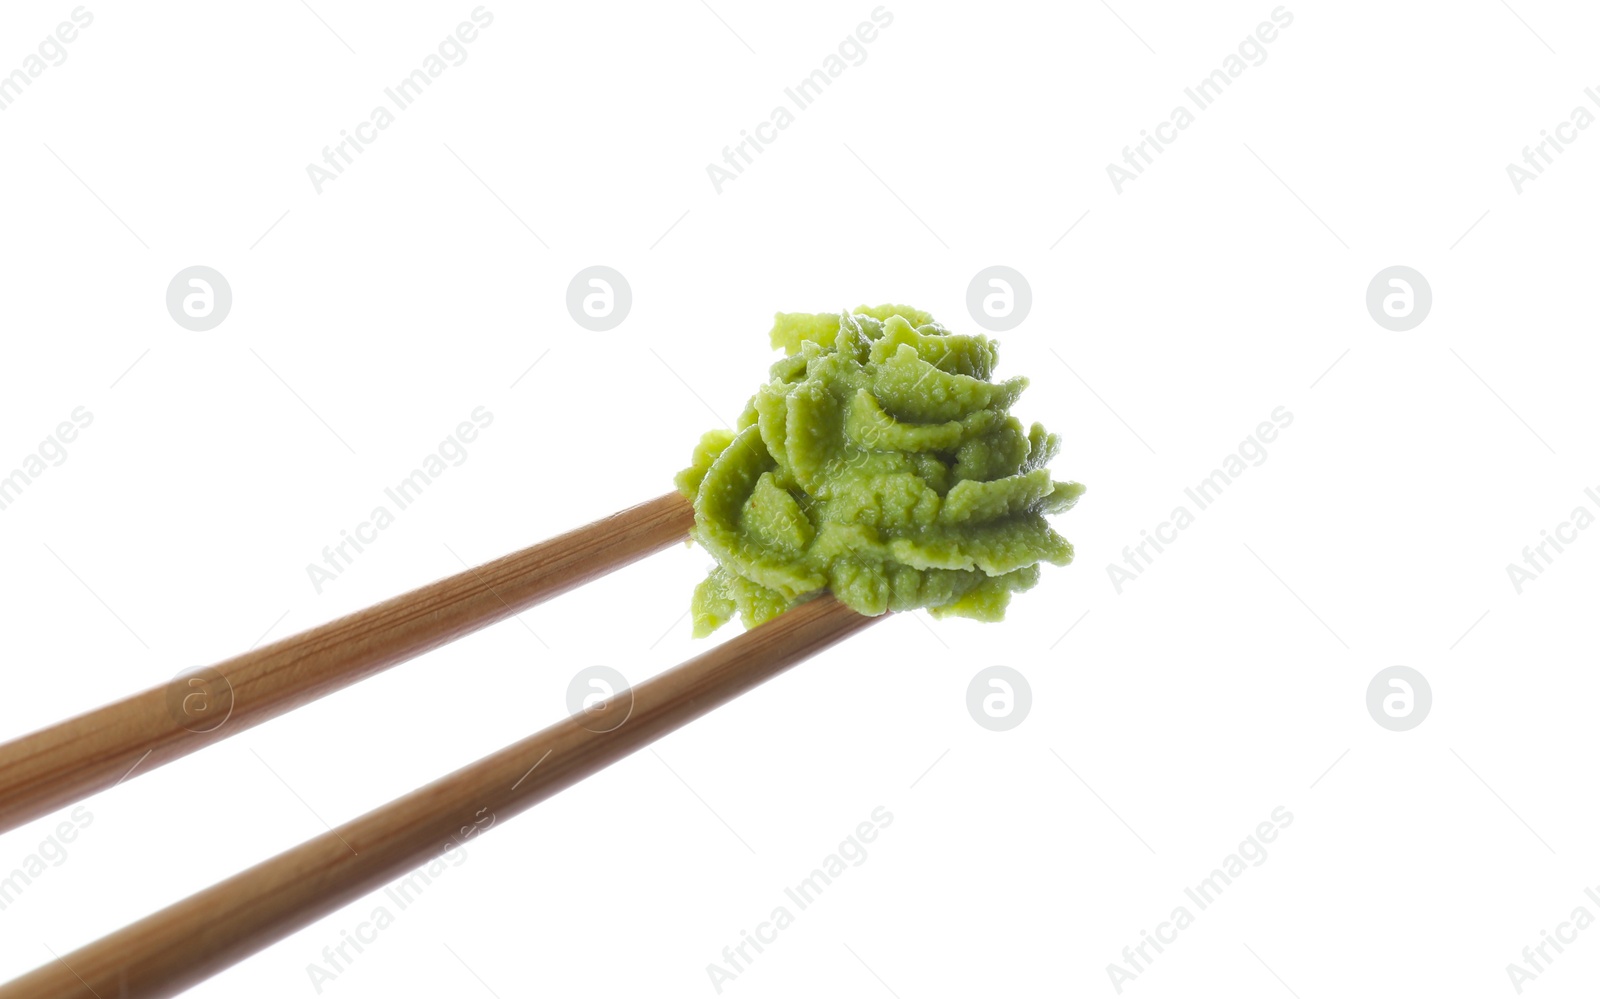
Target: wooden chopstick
[
  {"x": 187, "y": 942},
  {"x": 56, "y": 766}
]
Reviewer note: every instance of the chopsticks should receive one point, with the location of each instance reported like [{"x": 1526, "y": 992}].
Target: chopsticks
[
  {"x": 68, "y": 761},
  {"x": 199, "y": 936}
]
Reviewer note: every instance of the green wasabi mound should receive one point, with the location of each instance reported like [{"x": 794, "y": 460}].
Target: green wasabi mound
[{"x": 881, "y": 463}]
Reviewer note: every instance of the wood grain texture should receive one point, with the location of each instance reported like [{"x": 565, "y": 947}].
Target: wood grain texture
[
  {"x": 194, "y": 939},
  {"x": 40, "y": 773}
]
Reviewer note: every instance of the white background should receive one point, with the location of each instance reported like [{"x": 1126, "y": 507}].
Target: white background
[{"x": 1228, "y": 280}]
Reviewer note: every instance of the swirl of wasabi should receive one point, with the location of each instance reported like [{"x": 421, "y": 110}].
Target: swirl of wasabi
[{"x": 878, "y": 462}]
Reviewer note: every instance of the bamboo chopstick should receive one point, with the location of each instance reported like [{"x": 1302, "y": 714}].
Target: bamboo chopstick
[
  {"x": 75, "y": 758},
  {"x": 185, "y": 943}
]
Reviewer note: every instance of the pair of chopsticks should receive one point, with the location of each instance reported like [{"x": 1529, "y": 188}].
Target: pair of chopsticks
[{"x": 193, "y": 939}]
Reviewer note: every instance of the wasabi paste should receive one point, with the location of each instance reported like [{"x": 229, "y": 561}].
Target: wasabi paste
[{"x": 878, "y": 462}]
